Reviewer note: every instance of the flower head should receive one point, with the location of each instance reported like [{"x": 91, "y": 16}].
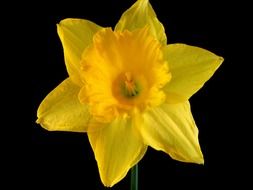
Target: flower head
[{"x": 128, "y": 90}]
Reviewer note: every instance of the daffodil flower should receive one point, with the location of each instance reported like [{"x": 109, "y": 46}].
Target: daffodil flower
[{"x": 128, "y": 90}]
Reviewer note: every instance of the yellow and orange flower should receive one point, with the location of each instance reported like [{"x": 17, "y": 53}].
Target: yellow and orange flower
[{"x": 128, "y": 90}]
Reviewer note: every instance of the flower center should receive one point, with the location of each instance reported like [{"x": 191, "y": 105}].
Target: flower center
[{"x": 130, "y": 88}]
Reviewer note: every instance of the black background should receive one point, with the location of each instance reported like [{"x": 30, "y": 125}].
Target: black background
[{"x": 64, "y": 159}]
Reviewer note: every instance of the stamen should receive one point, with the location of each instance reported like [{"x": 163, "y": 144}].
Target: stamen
[{"x": 130, "y": 85}]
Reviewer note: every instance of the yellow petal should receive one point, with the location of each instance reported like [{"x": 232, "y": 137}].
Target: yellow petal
[
  {"x": 190, "y": 68},
  {"x": 62, "y": 111},
  {"x": 171, "y": 128},
  {"x": 139, "y": 15},
  {"x": 75, "y": 35},
  {"x": 117, "y": 147}
]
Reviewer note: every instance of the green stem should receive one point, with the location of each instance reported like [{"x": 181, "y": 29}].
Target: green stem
[{"x": 134, "y": 177}]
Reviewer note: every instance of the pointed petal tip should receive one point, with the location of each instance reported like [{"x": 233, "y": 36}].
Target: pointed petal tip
[
  {"x": 61, "y": 23},
  {"x": 59, "y": 30},
  {"x": 199, "y": 159},
  {"x": 220, "y": 59},
  {"x": 58, "y": 26},
  {"x": 107, "y": 183},
  {"x": 137, "y": 16},
  {"x": 38, "y": 121}
]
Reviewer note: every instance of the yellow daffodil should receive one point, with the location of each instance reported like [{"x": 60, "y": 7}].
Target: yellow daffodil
[{"x": 128, "y": 90}]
